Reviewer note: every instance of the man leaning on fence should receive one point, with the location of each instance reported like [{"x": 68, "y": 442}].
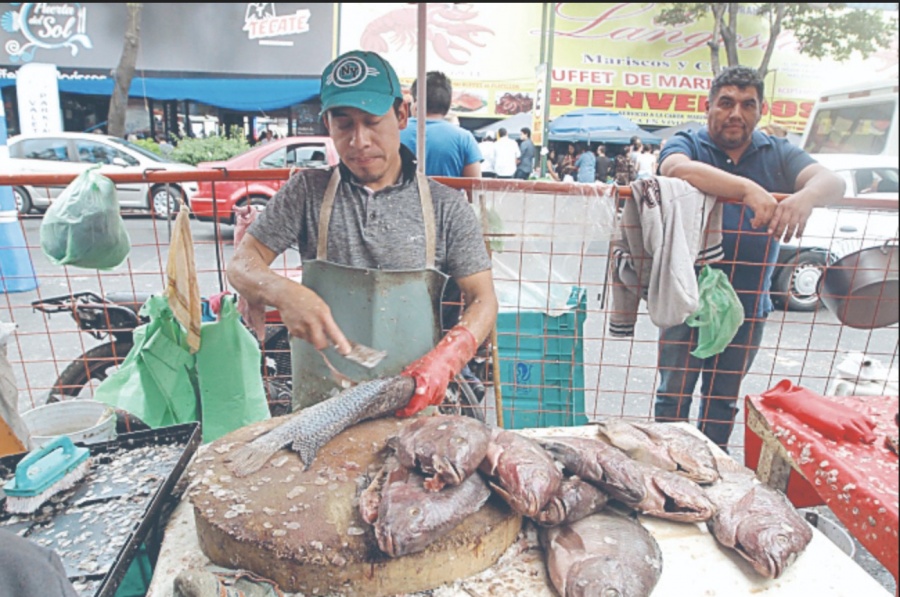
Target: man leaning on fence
[{"x": 729, "y": 158}]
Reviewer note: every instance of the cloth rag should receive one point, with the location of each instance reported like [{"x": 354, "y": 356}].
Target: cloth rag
[{"x": 182, "y": 289}]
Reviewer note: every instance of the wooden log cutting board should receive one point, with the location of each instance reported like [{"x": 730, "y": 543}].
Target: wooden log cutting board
[{"x": 303, "y": 530}]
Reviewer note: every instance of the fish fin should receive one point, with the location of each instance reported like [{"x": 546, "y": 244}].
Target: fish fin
[
  {"x": 307, "y": 453},
  {"x": 248, "y": 459}
]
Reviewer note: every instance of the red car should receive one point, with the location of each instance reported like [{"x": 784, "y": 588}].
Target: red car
[{"x": 302, "y": 152}]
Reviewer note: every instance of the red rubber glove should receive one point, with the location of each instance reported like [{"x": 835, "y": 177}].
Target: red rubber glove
[
  {"x": 434, "y": 371},
  {"x": 834, "y": 421}
]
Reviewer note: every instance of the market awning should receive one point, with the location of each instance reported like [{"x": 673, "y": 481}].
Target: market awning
[
  {"x": 243, "y": 95},
  {"x": 593, "y": 125}
]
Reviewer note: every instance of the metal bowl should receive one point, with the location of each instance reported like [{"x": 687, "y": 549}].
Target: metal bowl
[{"x": 862, "y": 288}]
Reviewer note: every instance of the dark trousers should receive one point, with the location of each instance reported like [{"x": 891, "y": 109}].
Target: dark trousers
[
  {"x": 488, "y": 175},
  {"x": 722, "y": 377},
  {"x": 521, "y": 174}
]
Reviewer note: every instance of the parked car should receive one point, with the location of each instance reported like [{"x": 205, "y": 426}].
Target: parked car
[
  {"x": 72, "y": 153},
  {"x": 834, "y": 232},
  {"x": 289, "y": 152}
]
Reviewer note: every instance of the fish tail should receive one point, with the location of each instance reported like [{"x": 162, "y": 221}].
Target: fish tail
[{"x": 249, "y": 458}]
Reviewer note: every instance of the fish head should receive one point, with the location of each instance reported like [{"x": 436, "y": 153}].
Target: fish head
[
  {"x": 607, "y": 576},
  {"x": 622, "y": 477},
  {"x": 401, "y": 528},
  {"x": 769, "y": 544},
  {"x": 448, "y": 469},
  {"x": 681, "y": 498}
]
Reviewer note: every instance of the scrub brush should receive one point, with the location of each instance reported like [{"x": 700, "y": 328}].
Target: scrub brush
[{"x": 55, "y": 467}]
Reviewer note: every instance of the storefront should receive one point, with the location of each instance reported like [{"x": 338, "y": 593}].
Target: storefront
[{"x": 197, "y": 62}]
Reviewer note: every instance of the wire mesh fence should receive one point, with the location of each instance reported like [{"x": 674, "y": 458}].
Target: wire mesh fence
[{"x": 553, "y": 359}]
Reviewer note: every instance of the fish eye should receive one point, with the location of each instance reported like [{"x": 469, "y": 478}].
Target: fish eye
[
  {"x": 459, "y": 440},
  {"x": 611, "y": 592},
  {"x": 414, "y": 511},
  {"x": 781, "y": 540}
]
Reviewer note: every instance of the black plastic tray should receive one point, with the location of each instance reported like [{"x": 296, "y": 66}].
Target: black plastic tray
[{"x": 116, "y": 505}]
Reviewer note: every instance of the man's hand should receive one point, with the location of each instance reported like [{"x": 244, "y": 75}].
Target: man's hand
[
  {"x": 790, "y": 218},
  {"x": 761, "y": 202},
  {"x": 307, "y": 316}
]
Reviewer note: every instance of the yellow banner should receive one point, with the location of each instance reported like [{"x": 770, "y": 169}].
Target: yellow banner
[
  {"x": 605, "y": 55},
  {"x": 489, "y": 51},
  {"x": 614, "y": 56}
]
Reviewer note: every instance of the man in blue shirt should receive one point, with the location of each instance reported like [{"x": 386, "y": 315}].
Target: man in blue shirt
[
  {"x": 586, "y": 165},
  {"x": 526, "y": 159},
  {"x": 729, "y": 158},
  {"x": 449, "y": 150}
]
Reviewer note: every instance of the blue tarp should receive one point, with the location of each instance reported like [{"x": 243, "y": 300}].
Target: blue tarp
[
  {"x": 594, "y": 125},
  {"x": 243, "y": 95}
]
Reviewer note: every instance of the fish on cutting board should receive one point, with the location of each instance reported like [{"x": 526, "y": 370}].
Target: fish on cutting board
[
  {"x": 574, "y": 500},
  {"x": 410, "y": 516},
  {"x": 663, "y": 445},
  {"x": 597, "y": 462},
  {"x": 311, "y": 428},
  {"x": 522, "y": 472},
  {"x": 447, "y": 447},
  {"x": 603, "y": 555},
  {"x": 757, "y": 522}
]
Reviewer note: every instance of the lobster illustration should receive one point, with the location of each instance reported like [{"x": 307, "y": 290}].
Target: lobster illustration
[{"x": 448, "y": 28}]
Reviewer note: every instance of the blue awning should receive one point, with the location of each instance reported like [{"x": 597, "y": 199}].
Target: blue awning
[{"x": 243, "y": 95}]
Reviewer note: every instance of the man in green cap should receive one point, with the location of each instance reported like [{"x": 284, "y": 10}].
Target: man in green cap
[{"x": 377, "y": 242}]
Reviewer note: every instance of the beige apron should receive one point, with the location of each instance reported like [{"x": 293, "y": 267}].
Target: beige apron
[{"x": 396, "y": 311}]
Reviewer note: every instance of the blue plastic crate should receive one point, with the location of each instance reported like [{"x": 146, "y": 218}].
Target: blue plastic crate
[{"x": 542, "y": 365}]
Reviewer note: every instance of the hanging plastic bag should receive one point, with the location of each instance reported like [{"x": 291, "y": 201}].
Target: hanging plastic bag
[
  {"x": 228, "y": 371},
  {"x": 157, "y": 380},
  {"x": 719, "y": 315},
  {"x": 83, "y": 226}
]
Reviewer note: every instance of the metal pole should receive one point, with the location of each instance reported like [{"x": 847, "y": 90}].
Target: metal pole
[
  {"x": 551, "y": 34},
  {"x": 421, "y": 84},
  {"x": 543, "y": 60}
]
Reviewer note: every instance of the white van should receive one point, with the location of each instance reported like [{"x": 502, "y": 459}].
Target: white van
[
  {"x": 852, "y": 131},
  {"x": 859, "y": 119}
]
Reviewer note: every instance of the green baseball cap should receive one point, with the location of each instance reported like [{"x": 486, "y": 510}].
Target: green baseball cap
[{"x": 362, "y": 80}]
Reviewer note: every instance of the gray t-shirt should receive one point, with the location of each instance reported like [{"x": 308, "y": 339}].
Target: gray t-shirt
[{"x": 381, "y": 230}]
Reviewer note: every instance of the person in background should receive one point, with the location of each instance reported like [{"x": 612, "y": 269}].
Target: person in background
[
  {"x": 774, "y": 129},
  {"x": 603, "y": 164},
  {"x": 635, "y": 149},
  {"x": 729, "y": 158},
  {"x": 646, "y": 163},
  {"x": 486, "y": 147},
  {"x": 526, "y": 161},
  {"x": 624, "y": 171},
  {"x": 567, "y": 164},
  {"x": 586, "y": 165},
  {"x": 449, "y": 149},
  {"x": 506, "y": 155},
  {"x": 552, "y": 163}
]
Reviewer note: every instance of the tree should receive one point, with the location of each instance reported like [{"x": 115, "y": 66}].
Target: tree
[
  {"x": 821, "y": 29},
  {"x": 118, "y": 104}
]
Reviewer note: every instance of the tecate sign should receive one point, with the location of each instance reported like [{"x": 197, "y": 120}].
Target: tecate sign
[{"x": 262, "y": 23}]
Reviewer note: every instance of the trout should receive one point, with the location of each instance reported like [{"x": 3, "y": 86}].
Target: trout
[{"x": 311, "y": 428}]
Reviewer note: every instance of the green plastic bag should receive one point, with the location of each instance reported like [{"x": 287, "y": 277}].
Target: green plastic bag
[
  {"x": 719, "y": 315},
  {"x": 83, "y": 226},
  {"x": 228, "y": 370},
  {"x": 157, "y": 380}
]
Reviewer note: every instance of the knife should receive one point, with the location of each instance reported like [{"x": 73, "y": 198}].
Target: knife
[{"x": 364, "y": 355}]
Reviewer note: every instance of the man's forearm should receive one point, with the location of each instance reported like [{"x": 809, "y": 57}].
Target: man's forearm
[
  {"x": 708, "y": 179},
  {"x": 252, "y": 278},
  {"x": 479, "y": 318}
]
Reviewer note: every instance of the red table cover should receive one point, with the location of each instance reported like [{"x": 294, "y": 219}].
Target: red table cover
[{"x": 859, "y": 482}]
